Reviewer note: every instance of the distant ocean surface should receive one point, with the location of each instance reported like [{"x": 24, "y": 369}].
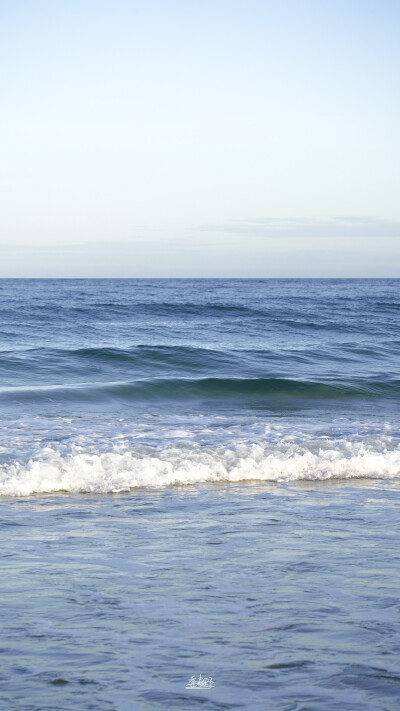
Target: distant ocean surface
[{"x": 200, "y": 476}]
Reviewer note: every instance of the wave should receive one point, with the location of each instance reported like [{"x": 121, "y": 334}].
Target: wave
[
  {"x": 142, "y": 354},
  {"x": 135, "y": 308},
  {"x": 206, "y": 388},
  {"x": 139, "y": 353},
  {"x": 113, "y": 472},
  {"x": 265, "y": 314}
]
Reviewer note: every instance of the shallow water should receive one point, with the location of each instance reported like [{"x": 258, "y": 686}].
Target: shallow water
[
  {"x": 199, "y": 477},
  {"x": 287, "y": 596}
]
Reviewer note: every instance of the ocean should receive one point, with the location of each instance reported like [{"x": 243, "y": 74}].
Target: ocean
[{"x": 199, "y": 493}]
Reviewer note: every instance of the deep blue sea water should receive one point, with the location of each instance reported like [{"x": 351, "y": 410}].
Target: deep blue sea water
[{"x": 200, "y": 477}]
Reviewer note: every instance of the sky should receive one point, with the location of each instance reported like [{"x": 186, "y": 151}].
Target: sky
[{"x": 218, "y": 138}]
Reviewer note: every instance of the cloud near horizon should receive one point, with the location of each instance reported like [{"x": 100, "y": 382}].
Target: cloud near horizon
[{"x": 363, "y": 227}]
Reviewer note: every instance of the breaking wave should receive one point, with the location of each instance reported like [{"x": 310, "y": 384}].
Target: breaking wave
[{"x": 123, "y": 471}]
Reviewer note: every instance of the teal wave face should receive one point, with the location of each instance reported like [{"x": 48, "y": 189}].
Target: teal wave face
[{"x": 267, "y": 390}]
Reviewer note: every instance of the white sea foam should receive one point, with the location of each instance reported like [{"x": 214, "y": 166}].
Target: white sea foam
[{"x": 121, "y": 471}]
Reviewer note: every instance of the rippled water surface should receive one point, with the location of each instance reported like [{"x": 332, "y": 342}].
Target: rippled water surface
[
  {"x": 199, "y": 477},
  {"x": 286, "y": 596}
]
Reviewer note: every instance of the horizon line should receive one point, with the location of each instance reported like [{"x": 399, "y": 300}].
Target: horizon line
[{"x": 214, "y": 278}]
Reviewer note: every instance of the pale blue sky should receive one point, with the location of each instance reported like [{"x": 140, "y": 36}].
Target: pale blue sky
[{"x": 217, "y": 138}]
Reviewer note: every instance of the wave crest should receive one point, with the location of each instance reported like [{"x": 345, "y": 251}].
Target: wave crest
[{"x": 115, "y": 472}]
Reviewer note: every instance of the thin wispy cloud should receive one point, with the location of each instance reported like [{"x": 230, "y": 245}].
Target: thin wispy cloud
[{"x": 308, "y": 227}]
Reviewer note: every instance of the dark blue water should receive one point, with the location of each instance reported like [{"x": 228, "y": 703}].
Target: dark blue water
[{"x": 200, "y": 476}]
